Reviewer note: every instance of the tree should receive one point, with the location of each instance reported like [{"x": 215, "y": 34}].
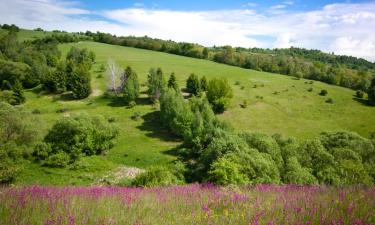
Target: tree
[
  {"x": 18, "y": 95},
  {"x": 56, "y": 81},
  {"x": 371, "y": 92},
  {"x": 131, "y": 85},
  {"x": 156, "y": 84},
  {"x": 80, "y": 82},
  {"x": 172, "y": 82},
  {"x": 193, "y": 84},
  {"x": 219, "y": 94},
  {"x": 204, "y": 83},
  {"x": 113, "y": 73},
  {"x": 175, "y": 113}
]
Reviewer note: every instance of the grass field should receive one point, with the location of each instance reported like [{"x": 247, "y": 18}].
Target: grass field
[
  {"x": 278, "y": 104},
  {"x": 189, "y": 204}
]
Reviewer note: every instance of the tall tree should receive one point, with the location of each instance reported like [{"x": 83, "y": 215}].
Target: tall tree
[
  {"x": 156, "y": 84},
  {"x": 80, "y": 82},
  {"x": 131, "y": 85},
  {"x": 113, "y": 74},
  {"x": 172, "y": 82},
  {"x": 18, "y": 95}
]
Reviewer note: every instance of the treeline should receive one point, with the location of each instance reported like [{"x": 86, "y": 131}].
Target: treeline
[
  {"x": 33, "y": 63},
  {"x": 344, "y": 71}
]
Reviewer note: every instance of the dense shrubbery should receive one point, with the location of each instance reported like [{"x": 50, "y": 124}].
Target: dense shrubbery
[
  {"x": 157, "y": 176},
  {"x": 17, "y": 135},
  {"x": 346, "y": 71},
  {"x": 213, "y": 152},
  {"x": 73, "y": 137}
]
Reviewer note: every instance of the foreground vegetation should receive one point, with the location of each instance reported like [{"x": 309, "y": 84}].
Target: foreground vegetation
[{"x": 191, "y": 204}]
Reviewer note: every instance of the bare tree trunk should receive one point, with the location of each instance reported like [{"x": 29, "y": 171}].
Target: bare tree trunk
[{"x": 113, "y": 73}]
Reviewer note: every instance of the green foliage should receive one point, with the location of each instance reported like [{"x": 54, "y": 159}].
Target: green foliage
[
  {"x": 76, "y": 136},
  {"x": 58, "y": 160},
  {"x": 131, "y": 86},
  {"x": 193, "y": 84},
  {"x": 224, "y": 172},
  {"x": 56, "y": 81},
  {"x": 329, "y": 100},
  {"x": 156, "y": 84},
  {"x": 80, "y": 82},
  {"x": 176, "y": 113},
  {"x": 18, "y": 95},
  {"x": 296, "y": 174},
  {"x": 204, "y": 83},
  {"x": 219, "y": 94},
  {"x": 323, "y": 92},
  {"x": 156, "y": 176},
  {"x": 359, "y": 94},
  {"x": 172, "y": 82}
]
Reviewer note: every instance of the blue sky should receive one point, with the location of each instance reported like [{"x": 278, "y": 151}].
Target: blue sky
[
  {"x": 343, "y": 27},
  {"x": 207, "y": 4}
]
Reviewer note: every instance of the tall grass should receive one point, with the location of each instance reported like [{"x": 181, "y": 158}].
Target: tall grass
[{"x": 190, "y": 204}]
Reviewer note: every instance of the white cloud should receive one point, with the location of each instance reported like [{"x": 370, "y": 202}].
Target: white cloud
[{"x": 341, "y": 28}]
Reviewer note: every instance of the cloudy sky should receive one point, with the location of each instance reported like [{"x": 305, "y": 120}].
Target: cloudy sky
[{"x": 342, "y": 27}]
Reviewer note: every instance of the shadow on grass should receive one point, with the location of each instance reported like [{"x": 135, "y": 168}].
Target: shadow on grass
[
  {"x": 119, "y": 102},
  {"x": 363, "y": 101},
  {"x": 155, "y": 128}
]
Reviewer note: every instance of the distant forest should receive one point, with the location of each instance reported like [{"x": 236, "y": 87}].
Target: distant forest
[{"x": 346, "y": 71}]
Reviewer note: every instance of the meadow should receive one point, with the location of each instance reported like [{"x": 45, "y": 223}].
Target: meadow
[
  {"x": 189, "y": 204},
  {"x": 276, "y": 104}
]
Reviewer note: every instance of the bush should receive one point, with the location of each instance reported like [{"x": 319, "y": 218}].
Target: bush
[
  {"x": 310, "y": 89},
  {"x": 136, "y": 116},
  {"x": 359, "y": 94},
  {"x": 193, "y": 85},
  {"x": 58, "y": 160},
  {"x": 330, "y": 100},
  {"x": 323, "y": 92},
  {"x": 42, "y": 151},
  {"x": 244, "y": 104},
  {"x": 156, "y": 176},
  {"x": 219, "y": 94},
  {"x": 79, "y": 135}
]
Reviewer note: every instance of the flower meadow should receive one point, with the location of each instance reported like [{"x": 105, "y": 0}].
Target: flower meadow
[{"x": 188, "y": 204}]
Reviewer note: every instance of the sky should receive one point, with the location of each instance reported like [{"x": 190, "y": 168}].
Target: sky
[{"x": 342, "y": 27}]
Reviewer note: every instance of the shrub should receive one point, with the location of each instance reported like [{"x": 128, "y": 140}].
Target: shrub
[
  {"x": 237, "y": 83},
  {"x": 323, "y": 92},
  {"x": 310, "y": 89},
  {"x": 204, "y": 83},
  {"x": 193, "y": 84},
  {"x": 36, "y": 111},
  {"x": 132, "y": 104},
  {"x": 156, "y": 176},
  {"x": 42, "y": 151},
  {"x": 219, "y": 94},
  {"x": 111, "y": 119},
  {"x": 136, "y": 116},
  {"x": 79, "y": 135},
  {"x": 224, "y": 172},
  {"x": 359, "y": 94},
  {"x": 59, "y": 160},
  {"x": 330, "y": 100},
  {"x": 244, "y": 104}
]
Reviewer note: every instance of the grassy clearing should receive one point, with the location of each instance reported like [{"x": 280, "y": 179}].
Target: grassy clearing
[
  {"x": 276, "y": 104},
  {"x": 191, "y": 204}
]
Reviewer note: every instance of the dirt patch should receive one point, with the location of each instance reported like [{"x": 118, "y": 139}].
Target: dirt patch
[
  {"x": 118, "y": 174},
  {"x": 96, "y": 92}
]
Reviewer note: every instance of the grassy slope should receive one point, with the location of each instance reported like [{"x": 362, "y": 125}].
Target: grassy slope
[{"x": 295, "y": 112}]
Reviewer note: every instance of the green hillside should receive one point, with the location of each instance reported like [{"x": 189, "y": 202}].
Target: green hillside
[{"x": 278, "y": 104}]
